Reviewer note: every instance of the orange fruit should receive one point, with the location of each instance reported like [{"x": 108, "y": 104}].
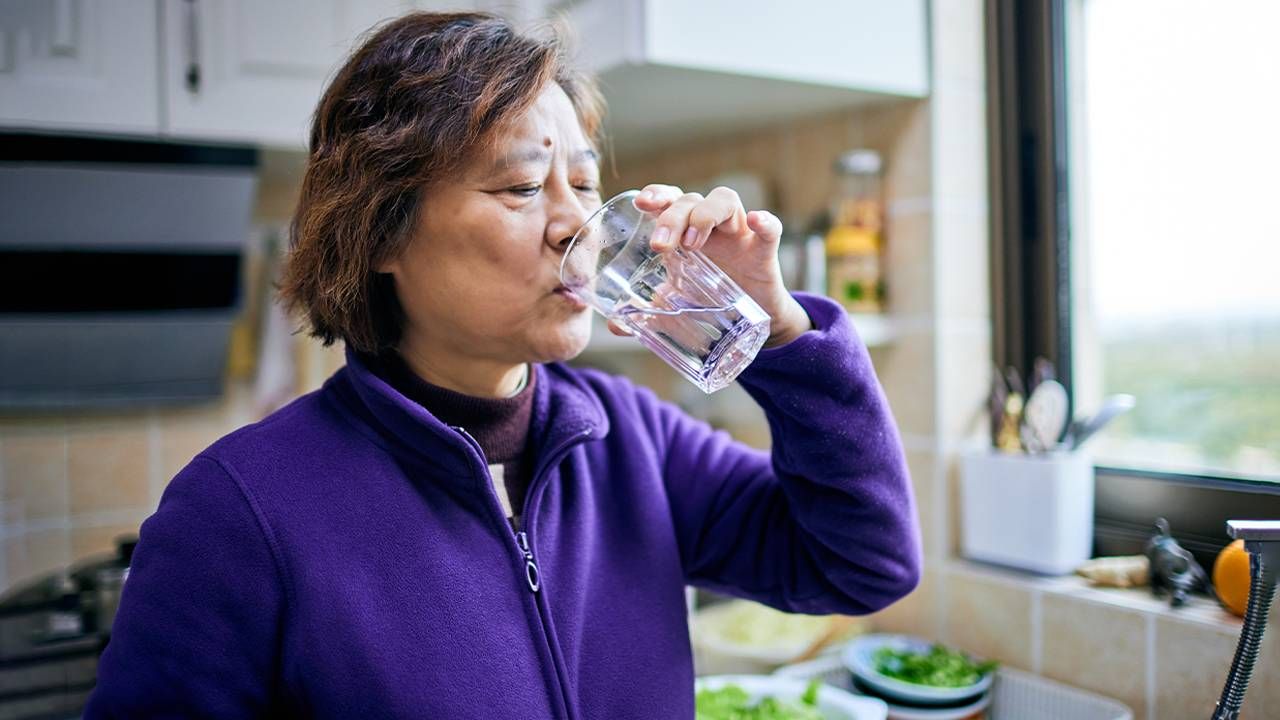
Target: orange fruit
[{"x": 1231, "y": 577}]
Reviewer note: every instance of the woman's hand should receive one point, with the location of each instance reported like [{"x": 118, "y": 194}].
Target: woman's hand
[{"x": 743, "y": 244}]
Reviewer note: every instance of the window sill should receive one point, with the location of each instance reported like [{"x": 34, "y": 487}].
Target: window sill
[{"x": 1198, "y": 610}]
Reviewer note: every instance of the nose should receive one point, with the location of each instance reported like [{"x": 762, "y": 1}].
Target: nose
[{"x": 568, "y": 212}]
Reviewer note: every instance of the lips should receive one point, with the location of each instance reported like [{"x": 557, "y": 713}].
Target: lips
[{"x": 571, "y": 296}]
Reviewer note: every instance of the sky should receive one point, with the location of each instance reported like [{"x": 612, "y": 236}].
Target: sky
[{"x": 1182, "y": 145}]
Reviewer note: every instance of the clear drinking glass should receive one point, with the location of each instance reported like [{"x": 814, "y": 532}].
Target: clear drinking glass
[{"x": 676, "y": 302}]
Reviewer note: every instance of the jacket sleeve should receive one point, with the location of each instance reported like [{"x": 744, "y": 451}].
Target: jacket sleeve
[
  {"x": 196, "y": 634},
  {"x": 826, "y": 522}
]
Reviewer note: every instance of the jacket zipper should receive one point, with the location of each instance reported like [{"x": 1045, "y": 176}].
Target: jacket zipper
[{"x": 531, "y": 574}]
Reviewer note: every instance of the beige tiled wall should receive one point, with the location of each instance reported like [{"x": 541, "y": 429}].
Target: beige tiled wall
[{"x": 71, "y": 483}]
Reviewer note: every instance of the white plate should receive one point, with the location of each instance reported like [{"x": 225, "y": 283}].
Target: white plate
[
  {"x": 833, "y": 703},
  {"x": 858, "y": 656},
  {"x": 899, "y": 712}
]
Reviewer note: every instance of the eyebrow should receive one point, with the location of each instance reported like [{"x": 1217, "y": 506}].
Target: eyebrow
[{"x": 541, "y": 155}]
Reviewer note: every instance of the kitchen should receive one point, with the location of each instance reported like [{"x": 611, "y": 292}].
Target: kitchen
[{"x": 911, "y": 112}]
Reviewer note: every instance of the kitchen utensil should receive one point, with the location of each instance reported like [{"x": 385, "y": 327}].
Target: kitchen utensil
[
  {"x": 676, "y": 302},
  {"x": 859, "y": 657},
  {"x": 1008, "y": 439},
  {"x": 833, "y": 703},
  {"x": 1015, "y": 381},
  {"x": 995, "y": 404},
  {"x": 1042, "y": 370},
  {"x": 1045, "y": 416},
  {"x": 1081, "y": 430}
]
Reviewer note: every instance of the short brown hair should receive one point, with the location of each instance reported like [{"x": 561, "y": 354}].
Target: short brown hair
[{"x": 419, "y": 97}]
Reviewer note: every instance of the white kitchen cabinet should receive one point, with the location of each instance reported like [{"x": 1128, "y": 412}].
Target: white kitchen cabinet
[
  {"x": 676, "y": 69},
  {"x": 79, "y": 65},
  {"x": 251, "y": 71}
]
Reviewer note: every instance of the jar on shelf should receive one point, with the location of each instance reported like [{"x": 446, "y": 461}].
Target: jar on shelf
[{"x": 854, "y": 240}]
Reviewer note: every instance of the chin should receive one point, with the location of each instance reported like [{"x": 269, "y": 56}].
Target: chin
[{"x": 565, "y": 341}]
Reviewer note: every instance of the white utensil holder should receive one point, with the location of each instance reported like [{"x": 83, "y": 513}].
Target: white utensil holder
[{"x": 1032, "y": 512}]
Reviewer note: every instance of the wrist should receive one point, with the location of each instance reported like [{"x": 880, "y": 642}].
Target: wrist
[{"x": 789, "y": 324}]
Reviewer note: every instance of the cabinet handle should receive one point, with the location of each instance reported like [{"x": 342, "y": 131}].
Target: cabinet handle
[{"x": 192, "y": 74}]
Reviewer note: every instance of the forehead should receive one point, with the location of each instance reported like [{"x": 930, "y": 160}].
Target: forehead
[{"x": 548, "y": 129}]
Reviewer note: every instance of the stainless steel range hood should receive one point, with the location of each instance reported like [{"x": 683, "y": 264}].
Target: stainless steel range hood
[{"x": 119, "y": 269}]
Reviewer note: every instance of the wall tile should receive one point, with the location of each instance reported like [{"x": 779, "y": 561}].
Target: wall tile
[
  {"x": 908, "y": 264},
  {"x": 1264, "y": 690},
  {"x": 93, "y": 540},
  {"x": 1191, "y": 666},
  {"x": 989, "y": 618},
  {"x": 964, "y": 367},
  {"x": 916, "y": 614},
  {"x": 16, "y": 566},
  {"x": 959, "y": 54},
  {"x": 923, "y": 481},
  {"x": 35, "y": 471},
  {"x": 906, "y": 370},
  {"x": 48, "y": 550},
  {"x": 109, "y": 470},
  {"x": 960, "y": 148},
  {"x": 180, "y": 442},
  {"x": 1096, "y": 647},
  {"x": 961, "y": 256},
  {"x": 905, "y": 130},
  {"x": 807, "y": 177}
]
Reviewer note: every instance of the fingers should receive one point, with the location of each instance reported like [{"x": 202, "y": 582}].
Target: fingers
[
  {"x": 766, "y": 225},
  {"x": 653, "y": 198},
  {"x": 688, "y": 219},
  {"x": 721, "y": 209},
  {"x": 619, "y": 330},
  {"x": 673, "y": 223}
]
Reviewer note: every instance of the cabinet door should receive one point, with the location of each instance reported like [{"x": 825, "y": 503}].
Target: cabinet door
[
  {"x": 252, "y": 71},
  {"x": 81, "y": 65}
]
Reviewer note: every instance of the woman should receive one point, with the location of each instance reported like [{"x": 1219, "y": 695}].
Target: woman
[{"x": 457, "y": 525}]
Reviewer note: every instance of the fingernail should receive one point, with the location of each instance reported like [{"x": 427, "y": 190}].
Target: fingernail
[
  {"x": 661, "y": 236},
  {"x": 689, "y": 236}
]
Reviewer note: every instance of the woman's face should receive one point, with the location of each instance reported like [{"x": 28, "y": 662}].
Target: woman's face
[{"x": 478, "y": 279}]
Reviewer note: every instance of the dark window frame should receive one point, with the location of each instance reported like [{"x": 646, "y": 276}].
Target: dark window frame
[{"x": 1030, "y": 268}]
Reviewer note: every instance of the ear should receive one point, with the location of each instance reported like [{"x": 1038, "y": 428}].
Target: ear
[{"x": 387, "y": 267}]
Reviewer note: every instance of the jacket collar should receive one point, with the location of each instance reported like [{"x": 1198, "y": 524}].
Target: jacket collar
[{"x": 564, "y": 407}]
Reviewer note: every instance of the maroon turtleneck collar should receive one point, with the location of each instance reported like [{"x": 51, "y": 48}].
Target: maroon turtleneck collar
[{"x": 499, "y": 425}]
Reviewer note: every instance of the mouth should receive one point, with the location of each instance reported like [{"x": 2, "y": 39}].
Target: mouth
[{"x": 571, "y": 297}]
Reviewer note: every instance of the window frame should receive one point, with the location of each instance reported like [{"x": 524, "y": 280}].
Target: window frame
[{"x": 1031, "y": 289}]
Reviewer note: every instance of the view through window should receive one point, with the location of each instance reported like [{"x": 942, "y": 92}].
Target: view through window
[{"x": 1175, "y": 192}]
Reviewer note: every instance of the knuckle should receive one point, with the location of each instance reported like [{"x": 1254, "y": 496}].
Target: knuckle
[{"x": 727, "y": 193}]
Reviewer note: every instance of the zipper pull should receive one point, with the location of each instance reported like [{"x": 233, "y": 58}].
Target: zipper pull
[{"x": 530, "y": 567}]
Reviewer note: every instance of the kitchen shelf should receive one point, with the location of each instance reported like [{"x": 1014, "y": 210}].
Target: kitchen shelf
[{"x": 875, "y": 329}]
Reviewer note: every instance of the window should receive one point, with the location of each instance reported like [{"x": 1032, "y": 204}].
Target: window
[
  {"x": 1134, "y": 161},
  {"x": 1173, "y": 110}
]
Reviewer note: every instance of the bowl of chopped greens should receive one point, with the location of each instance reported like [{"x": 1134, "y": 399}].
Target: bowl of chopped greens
[
  {"x": 915, "y": 670},
  {"x": 765, "y": 697}
]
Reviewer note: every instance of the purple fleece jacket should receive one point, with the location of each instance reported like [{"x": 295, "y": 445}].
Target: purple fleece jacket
[{"x": 347, "y": 557}]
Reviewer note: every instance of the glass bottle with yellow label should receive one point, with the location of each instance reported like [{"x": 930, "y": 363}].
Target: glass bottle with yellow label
[{"x": 855, "y": 238}]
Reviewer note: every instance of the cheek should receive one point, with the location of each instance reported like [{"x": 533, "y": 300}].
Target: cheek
[{"x": 513, "y": 254}]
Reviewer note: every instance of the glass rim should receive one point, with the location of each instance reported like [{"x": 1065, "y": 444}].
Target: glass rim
[{"x": 611, "y": 202}]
